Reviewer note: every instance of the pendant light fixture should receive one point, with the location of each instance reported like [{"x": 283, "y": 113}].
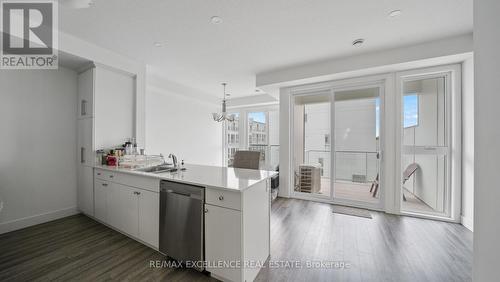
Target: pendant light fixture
[{"x": 219, "y": 117}]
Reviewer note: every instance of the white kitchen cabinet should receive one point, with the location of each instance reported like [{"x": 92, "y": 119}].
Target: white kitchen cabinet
[
  {"x": 223, "y": 241},
  {"x": 133, "y": 210},
  {"x": 106, "y": 118},
  {"x": 122, "y": 208},
  {"x": 149, "y": 210},
  {"x": 86, "y": 94},
  {"x": 239, "y": 235},
  {"x": 256, "y": 214},
  {"x": 85, "y": 192},
  {"x": 85, "y": 142},
  {"x": 100, "y": 200},
  {"x": 114, "y": 107}
]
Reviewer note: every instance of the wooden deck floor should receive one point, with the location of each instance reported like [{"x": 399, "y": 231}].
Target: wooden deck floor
[{"x": 385, "y": 248}]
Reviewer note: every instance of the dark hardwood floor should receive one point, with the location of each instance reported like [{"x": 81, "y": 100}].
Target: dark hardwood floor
[{"x": 385, "y": 248}]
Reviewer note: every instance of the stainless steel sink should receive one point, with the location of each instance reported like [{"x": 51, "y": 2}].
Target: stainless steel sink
[{"x": 158, "y": 169}]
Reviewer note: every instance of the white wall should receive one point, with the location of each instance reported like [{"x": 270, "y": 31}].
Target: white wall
[
  {"x": 486, "y": 140},
  {"x": 355, "y": 125},
  {"x": 468, "y": 144},
  {"x": 440, "y": 52},
  {"x": 355, "y": 130},
  {"x": 38, "y": 111},
  {"x": 180, "y": 124}
]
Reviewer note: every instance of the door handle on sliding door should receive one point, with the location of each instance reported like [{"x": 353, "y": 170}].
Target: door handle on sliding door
[
  {"x": 82, "y": 155},
  {"x": 83, "y": 108}
]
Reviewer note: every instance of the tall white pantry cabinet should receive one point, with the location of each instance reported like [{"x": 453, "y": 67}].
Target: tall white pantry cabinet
[{"x": 106, "y": 117}]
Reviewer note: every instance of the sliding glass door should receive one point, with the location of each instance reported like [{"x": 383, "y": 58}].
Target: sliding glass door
[
  {"x": 357, "y": 145},
  {"x": 311, "y": 138},
  {"x": 335, "y": 134}
]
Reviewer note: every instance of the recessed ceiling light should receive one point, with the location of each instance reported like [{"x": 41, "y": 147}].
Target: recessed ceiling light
[
  {"x": 358, "y": 42},
  {"x": 158, "y": 44},
  {"x": 394, "y": 14},
  {"x": 216, "y": 20}
]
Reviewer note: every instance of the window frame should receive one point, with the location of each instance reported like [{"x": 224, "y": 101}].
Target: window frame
[{"x": 243, "y": 127}]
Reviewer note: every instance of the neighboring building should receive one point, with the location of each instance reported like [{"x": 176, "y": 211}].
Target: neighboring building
[
  {"x": 257, "y": 132},
  {"x": 233, "y": 137}
]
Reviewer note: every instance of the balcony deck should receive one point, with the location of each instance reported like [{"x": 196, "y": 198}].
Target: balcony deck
[
  {"x": 349, "y": 191},
  {"x": 361, "y": 192}
]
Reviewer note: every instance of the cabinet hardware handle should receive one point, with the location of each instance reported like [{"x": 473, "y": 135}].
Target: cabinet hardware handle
[
  {"x": 221, "y": 198},
  {"x": 82, "y": 155},
  {"x": 111, "y": 176},
  {"x": 105, "y": 184},
  {"x": 137, "y": 193},
  {"x": 206, "y": 210},
  {"x": 84, "y": 107},
  {"x": 98, "y": 173}
]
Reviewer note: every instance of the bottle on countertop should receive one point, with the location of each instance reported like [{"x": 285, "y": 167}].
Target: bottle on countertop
[
  {"x": 134, "y": 146},
  {"x": 100, "y": 157},
  {"x": 128, "y": 147}
]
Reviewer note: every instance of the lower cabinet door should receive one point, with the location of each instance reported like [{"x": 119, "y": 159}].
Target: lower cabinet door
[
  {"x": 149, "y": 217},
  {"x": 223, "y": 241},
  {"x": 85, "y": 192},
  {"x": 122, "y": 208},
  {"x": 100, "y": 199}
]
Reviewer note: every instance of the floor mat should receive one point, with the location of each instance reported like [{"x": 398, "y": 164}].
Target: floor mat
[{"x": 351, "y": 211}]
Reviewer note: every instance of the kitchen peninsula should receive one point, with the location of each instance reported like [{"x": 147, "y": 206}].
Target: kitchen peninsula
[{"x": 235, "y": 217}]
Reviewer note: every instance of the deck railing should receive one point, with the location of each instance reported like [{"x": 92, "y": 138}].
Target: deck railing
[{"x": 358, "y": 166}]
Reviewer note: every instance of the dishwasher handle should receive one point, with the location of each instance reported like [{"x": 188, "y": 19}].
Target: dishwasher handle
[
  {"x": 177, "y": 193},
  {"x": 180, "y": 189}
]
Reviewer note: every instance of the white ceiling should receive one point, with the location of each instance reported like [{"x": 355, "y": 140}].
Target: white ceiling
[{"x": 256, "y": 35}]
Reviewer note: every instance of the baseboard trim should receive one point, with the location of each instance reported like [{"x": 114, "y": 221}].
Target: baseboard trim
[
  {"x": 36, "y": 219},
  {"x": 468, "y": 223}
]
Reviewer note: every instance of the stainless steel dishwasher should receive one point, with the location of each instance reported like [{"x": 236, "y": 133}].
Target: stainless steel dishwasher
[{"x": 182, "y": 221}]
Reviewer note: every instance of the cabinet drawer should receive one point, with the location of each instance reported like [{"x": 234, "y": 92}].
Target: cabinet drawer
[
  {"x": 222, "y": 198},
  {"x": 142, "y": 182},
  {"x": 101, "y": 174}
]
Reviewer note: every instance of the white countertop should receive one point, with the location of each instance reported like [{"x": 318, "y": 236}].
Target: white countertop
[{"x": 228, "y": 178}]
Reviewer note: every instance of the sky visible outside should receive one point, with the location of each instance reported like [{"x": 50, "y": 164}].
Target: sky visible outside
[
  {"x": 410, "y": 105},
  {"x": 410, "y": 108},
  {"x": 257, "y": 116}
]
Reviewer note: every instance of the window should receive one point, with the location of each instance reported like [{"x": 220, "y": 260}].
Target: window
[
  {"x": 232, "y": 137},
  {"x": 410, "y": 110},
  {"x": 257, "y": 133},
  {"x": 255, "y": 129}
]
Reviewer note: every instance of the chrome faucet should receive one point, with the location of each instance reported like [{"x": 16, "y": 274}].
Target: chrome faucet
[{"x": 174, "y": 159}]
